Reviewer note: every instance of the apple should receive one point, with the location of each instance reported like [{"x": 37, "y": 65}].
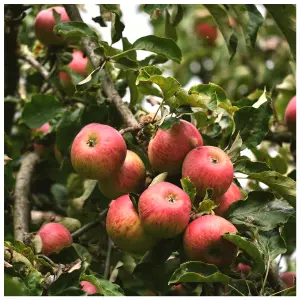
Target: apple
[
  {"x": 57, "y": 154},
  {"x": 208, "y": 167},
  {"x": 124, "y": 227},
  {"x": 45, "y": 22},
  {"x": 88, "y": 287},
  {"x": 54, "y": 238},
  {"x": 168, "y": 148},
  {"x": 98, "y": 151},
  {"x": 288, "y": 278},
  {"x": 164, "y": 210},
  {"x": 203, "y": 241},
  {"x": 206, "y": 31},
  {"x": 129, "y": 178},
  {"x": 42, "y": 150},
  {"x": 245, "y": 269},
  {"x": 79, "y": 65},
  {"x": 290, "y": 115},
  {"x": 231, "y": 195},
  {"x": 177, "y": 290}
]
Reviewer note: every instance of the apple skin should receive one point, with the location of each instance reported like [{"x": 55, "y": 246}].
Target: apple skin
[
  {"x": 79, "y": 65},
  {"x": 54, "y": 237},
  {"x": 206, "y": 31},
  {"x": 42, "y": 150},
  {"x": 130, "y": 178},
  {"x": 124, "y": 227},
  {"x": 164, "y": 210},
  {"x": 98, "y": 151},
  {"x": 44, "y": 24},
  {"x": 290, "y": 115},
  {"x": 88, "y": 287},
  {"x": 245, "y": 269},
  {"x": 168, "y": 148},
  {"x": 288, "y": 278},
  {"x": 203, "y": 241},
  {"x": 208, "y": 167},
  {"x": 231, "y": 195}
]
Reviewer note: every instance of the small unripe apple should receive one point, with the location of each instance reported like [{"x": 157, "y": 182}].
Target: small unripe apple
[
  {"x": 42, "y": 150},
  {"x": 208, "y": 167},
  {"x": 168, "y": 148},
  {"x": 129, "y": 178},
  {"x": 98, "y": 151},
  {"x": 54, "y": 238},
  {"x": 245, "y": 269},
  {"x": 288, "y": 278},
  {"x": 290, "y": 115},
  {"x": 203, "y": 241},
  {"x": 124, "y": 227},
  {"x": 88, "y": 287},
  {"x": 164, "y": 210},
  {"x": 207, "y": 32},
  {"x": 231, "y": 195},
  {"x": 45, "y": 22},
  {"x": 79, "y": 65}
]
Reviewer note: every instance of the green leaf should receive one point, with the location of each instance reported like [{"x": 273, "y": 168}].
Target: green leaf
[
  {"x": 13, "y": 286},
  {"x": 125, "y": 64},
  {"x": 104, "y": 286},
  {"x": 34, "y": 282},
  {"x": 253, "y": 123},
  {"x": 40, "y": 110},
  {"x": 282, "y": 185},
  {"x": 250, "y": 248},
  {"x": 159, "y": 178},
  {"x": 83, "y": 252},
  {"x": 150, "y": 8},
  {"x": 111, "y": 7},
  {"x": 246, "y": 166},
  {"x": 170, "y": 30},
  {"x": 91, "y": 81},
  {"x": 177, "y": 14},
  {"x": 260, "y": 211},
  {"x": 126, "y": 46},
  {"x": 117, "y": 27},
  {"x": 206, "y": 206},
  {"x": 234, "y": 151},
  {"x": 134, "y": 92},
  {"x": 189, "y": 188},
  {"x": 163, "y": 46},
  {"x": 73, "y": 291},
  {"x": 169, "y": 122},
  {"x": 285, "y": 17},
  {"x": 196, "y": 271}
]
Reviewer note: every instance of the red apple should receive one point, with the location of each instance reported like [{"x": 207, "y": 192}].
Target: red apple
[
  {"x": 208, "y": 167},
  {"x": 130, "y": 178},
  {"x": 42, "y": 149},
  {"x": 98, "y": 151},
  {"x": 124, "y": 227},
  {"x": 78, "y": 65},
  {"x": 290, "y": 115},
  {"x": 88, "y": 287},
  {"x": 44, "y": 24},
  {"x": 231, "y": 195},
  {"x": 177, "y": 290},
  {"x": 245, "y": 269},
  {"x": 164, "y": 210},
  {"x": 168, "y": 148},
  {"x": 206, "y": 31},
  {"x": 203, "y": 241},
  {"x": 288, "y": 278},
  {"x": 54, "y": 238}
]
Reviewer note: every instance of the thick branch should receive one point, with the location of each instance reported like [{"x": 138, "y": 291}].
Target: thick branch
[
  {"x": 107, "y": 83},
  {"x": 279, "y": 137},
  {"x": 275, "y": 280},
  {"x": 131, "y": 129},
  {"x": 22, "y": 189}
]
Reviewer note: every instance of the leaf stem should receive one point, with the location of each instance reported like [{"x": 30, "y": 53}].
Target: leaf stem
[
  {"x": 236, "y": 289},
  {"x": 160, "y": 106},
  {"x": 266, "y": 276},
  {"x": 122, "y": 53},
  {"x": 287, "y": 289}
]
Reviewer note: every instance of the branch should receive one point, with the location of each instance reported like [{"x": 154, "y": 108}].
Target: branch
[
  {"x": 107, "y": 83},
  {"x": 38, "y": 217},
  {"x": 131, "y": 129},
  {"x": 107, "y": 261},
  {"x": 22, "y": 189},
  {"x": 279, "y": 137},
  {"x": 274, "y": 279}
]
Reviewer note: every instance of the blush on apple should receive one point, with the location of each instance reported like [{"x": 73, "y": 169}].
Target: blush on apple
[
  {"x": 206, "y": 31},
  {"x": 88, "y": 287},
  {"x": 288, "y": 278},
  {"x": 290, "y": 115}
]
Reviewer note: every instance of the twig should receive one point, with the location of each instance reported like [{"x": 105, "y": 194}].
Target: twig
[
  {"x": 287, "y": 289},
  {"x": 279, "y": 137},
  {"x": 236, "y": 290},
  {"x": 274, "y": 279},
  {"x": 22, "y": 189},
  {"x": 47, "y": 259},
  {"x": 38, "y": 217},
  {"x": 90, "y": 225},
  {"x": 266, "y": 276},
  {"x": 131, "y": 129},
  {"x": 107, "y": 83},
  {"x": 107, "y": 261}
]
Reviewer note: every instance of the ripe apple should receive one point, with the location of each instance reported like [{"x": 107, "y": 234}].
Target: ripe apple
[
  {"x": 164, "y": 210},
  {"x": 54, "y": 238},
  {"x": 45, "y": 22},
  {"x": 231, "y": 195},
  {"x": 203, "y": 241},
  {"x": 98, "y": 151},
  {"x": 288, "y": 278},
  {"x": 168, "y": 148},
  {"x": 208, "y": 167},
  {"x": 124, "y": 227},
  {"x": 42, "y": 150},
  {"x": 206, "y": 31},
  {"x": 245, "y": 269},
  {"x": 130, "y": 178},
  {"x": 88, "y": 287},
  {"x": 290, "y": 115},
  {"x": 79, "y": 65}
]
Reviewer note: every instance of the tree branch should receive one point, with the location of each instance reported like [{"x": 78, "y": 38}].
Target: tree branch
[
  {"x": 107, "y": 261},
  {"x": 22, "y": 189},
  {"x": 131, "y": 129},
  {"x": 107, "y": 83},
  {"x": 274, "y": 279}
]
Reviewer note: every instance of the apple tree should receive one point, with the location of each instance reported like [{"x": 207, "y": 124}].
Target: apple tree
[{"x": 164, "y": 165}]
